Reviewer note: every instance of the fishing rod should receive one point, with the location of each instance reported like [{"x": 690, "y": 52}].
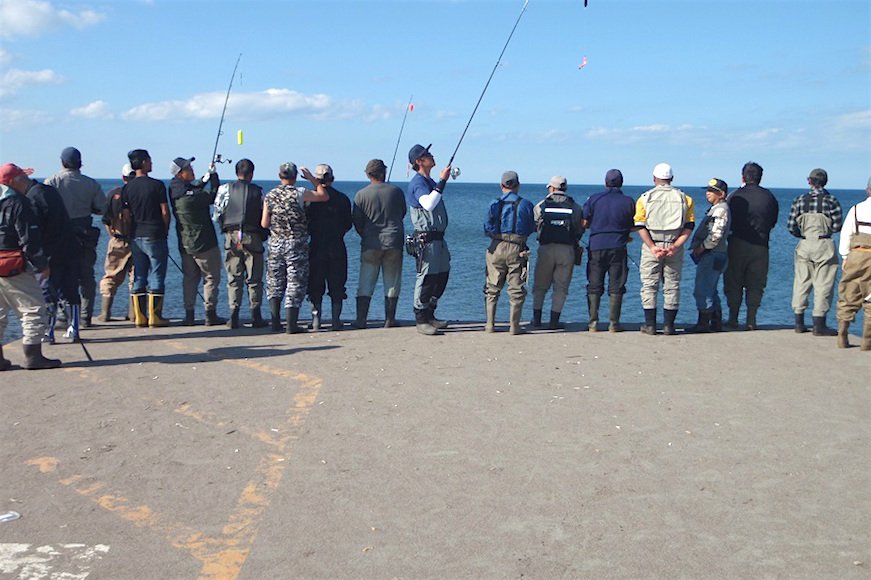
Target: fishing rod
[
  {"x": 493, "y": 72},
  {"x": 171, "y": 259},
  {"x": 398, "y": 139},
  {"x": 215, "y": 157}
]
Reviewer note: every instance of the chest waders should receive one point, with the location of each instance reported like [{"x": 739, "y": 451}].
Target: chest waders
[{"x": 816, "y": 267}]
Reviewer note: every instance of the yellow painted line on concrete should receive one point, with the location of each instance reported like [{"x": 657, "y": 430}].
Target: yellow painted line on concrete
[{"x": 222, "y": 557}]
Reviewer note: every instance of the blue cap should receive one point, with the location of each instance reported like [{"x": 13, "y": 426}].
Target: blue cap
[
  {"x": 417, "y": 152},
  {"x": 71, "y": 156}
]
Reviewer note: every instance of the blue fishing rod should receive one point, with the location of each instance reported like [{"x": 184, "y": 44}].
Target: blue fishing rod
[
  {"x": 398, "y": 139},
  {"x": 215, "y": 157},
  {"x": 456, "y": 171}
]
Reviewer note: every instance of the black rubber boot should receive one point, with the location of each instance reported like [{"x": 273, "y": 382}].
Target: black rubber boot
[
  {"x": 212, "y": 318},
  {"x": 316, "y": 314},
  {"x": 751, "y": 318},
  {"x": 703, "y": 326},
  {"x": 188, "y": 318},
  {"x": 555, "y": 324},
  {"x": 33, "y": 359},
  {"x": 593, "y": 301},
  {"x": 363, "y": 303},
  {"x": 257, "y": 319},
  {"x": 717, "y": 320},
  {"x": 106, "y": 309},
  {"x": 422, "y": 318},
  {"x": 5, "y": 364},
  {"x": 615, "y": 306},
  {"x": 799, "y": 323},
  {"x": 820, "y": 328},
  {"x": 668, "y": 322},
  {"x": 233, "y": 322},
  {"x": 649, "y": 326},
  {"x": 435, "y": 322},
  {"x": 275, "y": 314},
  {"x": 86, "y": 313},
  {"x": 292, "y": 315},
  {"x": 390, "y": 304},
  {"x": 336, "y": 312},
  {"x": 536, "y": 318}
]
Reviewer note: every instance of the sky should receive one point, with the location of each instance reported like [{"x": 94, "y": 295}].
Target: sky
[{"x": 704, "y": 85}]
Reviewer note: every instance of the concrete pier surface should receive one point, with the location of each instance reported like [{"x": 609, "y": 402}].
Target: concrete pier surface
[{"x": 194, "y": 452}]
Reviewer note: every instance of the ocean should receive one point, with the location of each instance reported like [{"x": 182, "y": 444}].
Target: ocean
[{"x": 463, "y": 300}]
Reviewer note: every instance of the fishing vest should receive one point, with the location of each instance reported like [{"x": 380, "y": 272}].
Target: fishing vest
[
  {"x": 556, "y": 222},
  {"x": 197, "y": 234},
  {"x": 502, "y": 220},
  {"x": 244, "y": 207},
  {"x": 666, "y": 211}
]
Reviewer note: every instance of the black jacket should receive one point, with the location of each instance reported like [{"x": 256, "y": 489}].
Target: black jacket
[
  {"x": 329, "y": 221},
  {"x": 19, "y": 229},
  {"x": 58, "y": 237},
  {"x": 754, "y": 213}
]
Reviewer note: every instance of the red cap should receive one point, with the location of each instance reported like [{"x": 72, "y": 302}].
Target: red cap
[{"x": 9, "y": 172}]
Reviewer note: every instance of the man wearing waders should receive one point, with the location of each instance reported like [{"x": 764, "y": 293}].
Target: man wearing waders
[
  {"x": 854, "y": 291},
  {"x": 82, "y": 197},
  {"x": 813, "y": 217},
  {"x": 609, "y": 215},
  {"x": 510, "y": 221},
  {"x": 708, "y": 251},
  {"x": 288, "y": 269},
  {"x": 328, "y": 257},
  {"x": 754, "y": 212},
  {"x": 119, "y": 258},
  {"x": 238, "y": 209},
  {"x": 197, "y": 242},
  {"x": 430, "y": 220},
  {"x": 664, "y": 218},
  {"x": 558, "y": 221}
]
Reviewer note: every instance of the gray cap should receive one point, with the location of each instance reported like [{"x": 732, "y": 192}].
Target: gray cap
[
  {"x": 510, "y": 179},
  {"x": 375, "y": 166},
  {"x": 287, "y": 170},
  {"x": 819, "y": 177},
  {"x": 323, "y": 170},
  {"x": 179, "y": 164},
  {"x": 558, "y": 182}
]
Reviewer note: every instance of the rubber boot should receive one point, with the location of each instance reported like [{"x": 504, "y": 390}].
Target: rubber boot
[
  {"x": 5, "y": 364},
  {"x": 733, "y": 318},
  {"x": 75, "y": 319},
  {"x": 717, "y": 320},
  {"x": 86, "y": 313},
  {"x": 336, "y": 312},
  {"x": 140, "y": 309},
  {"x": 668, "y": 322},
  {"x": 866, "y": 332},
  {"x": 555, "y": 324},
  {"x": 820, "y": 328},
  {"x": 257, "y": 319},
  {"x": 233, "y": 322},
  {"x": 292, "y": 316},
  {"x": 614, "y": 307},
  {"x": 155, "y": 311},
  {"x": 649, "y": 326},
  {"x": 363, "y": 303},
  {"x": 33, "y": 359},
  {"x": 52, "y": 321},
  {"x": 751, "y": 318},
  {"x": 390, "y": 304},
  {"x": 490, "y": 310},
  {"x": 422, "y": 319},
  {"x": 435, "y": 322},
  {"x": 593, "y": 301},
  {"x": 843, "y": 334},
  {"x": 703, "y": 326},
  {"x": 130, "y": 315},
  {"x": 275, "y": 314},
  {"x": 212, "y": 318},
  {"x": 106, "y": 309},
  {"x": 536, "y": 318},
  {"x": 188, "y": 318},
  {"x": 800, "y": 328},
  {"x": 514, "y": 318},
  {"x": 316, "y": 314}
]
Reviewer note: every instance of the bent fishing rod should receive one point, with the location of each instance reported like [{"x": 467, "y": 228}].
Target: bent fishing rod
[
  {"x": 493, "y": 72},
  {"x": 398, "y": 139},
  {"x": 215, "y": 157}
]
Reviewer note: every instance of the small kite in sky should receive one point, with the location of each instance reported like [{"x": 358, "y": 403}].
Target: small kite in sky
[{"x": 583, "y": 63}]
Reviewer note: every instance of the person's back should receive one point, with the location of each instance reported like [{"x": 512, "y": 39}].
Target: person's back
[
  {"x": 143, "y": 195},
  {"x": 328, "y": 222},
  {"x": 54, "y": 221},
  {"x": 379, "y": 214},
  {"x": 754, "y": 212}
]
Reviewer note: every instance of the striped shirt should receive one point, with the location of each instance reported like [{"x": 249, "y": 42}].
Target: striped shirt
[{"x": 817, "y": 200}]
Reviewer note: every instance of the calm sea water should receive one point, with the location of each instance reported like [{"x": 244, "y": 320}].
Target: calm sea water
[{"x": 467, "y": 204}]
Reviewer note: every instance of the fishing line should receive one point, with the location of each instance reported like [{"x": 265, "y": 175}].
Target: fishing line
[
  {"x": 493, "y": 72},
  {"x": 215, "y": 157},
  {"x": 171, "y": 259},
  {"x": 398, "y": 139}
]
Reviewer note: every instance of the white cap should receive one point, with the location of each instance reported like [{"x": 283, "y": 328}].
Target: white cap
[
  {"x": 126, "y": 170},
  {"x": 662, "y": 171}
]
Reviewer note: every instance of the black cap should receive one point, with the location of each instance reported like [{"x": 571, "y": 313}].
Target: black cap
[
  {"x": 417, "y": 152},
  {"x": 139, "y": 155},
  {"x": 717, "y": 185}
]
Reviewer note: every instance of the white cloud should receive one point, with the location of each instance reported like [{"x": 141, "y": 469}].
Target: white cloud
[
  {"x": 685, "y": 133},
  {"x": 5, "y": 57},
  {"x": 37, "y": 17},
  {"x": 268, "y": 104},
  {"x": 14, "y": 80},
  {"x": 95, "y": 110},
  {"x": 13, "y": 118}
]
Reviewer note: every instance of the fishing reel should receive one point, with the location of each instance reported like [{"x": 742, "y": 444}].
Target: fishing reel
[
  {"x": 455, "y": 172},
  {"x": 220, "y": 159}
]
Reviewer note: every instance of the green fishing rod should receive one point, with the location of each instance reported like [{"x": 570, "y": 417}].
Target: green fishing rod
[
  {"x": 455, "y": 171},
  {"x": 215, "y": 157}
]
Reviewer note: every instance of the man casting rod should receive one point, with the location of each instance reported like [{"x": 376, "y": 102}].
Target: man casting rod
[
  {"x": 495, "y": 66},
  {"x": 398, "y": 139},
  {"x": 215, "y": 157}
]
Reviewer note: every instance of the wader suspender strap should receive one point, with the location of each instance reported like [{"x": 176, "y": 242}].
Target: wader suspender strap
[{"x": 502, "y": 203}]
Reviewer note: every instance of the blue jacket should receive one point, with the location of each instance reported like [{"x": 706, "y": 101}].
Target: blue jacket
[{"x": 510, "y": 214}]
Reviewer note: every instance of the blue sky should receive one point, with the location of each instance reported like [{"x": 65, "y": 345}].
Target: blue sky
[{"x": 702, "y": 84}]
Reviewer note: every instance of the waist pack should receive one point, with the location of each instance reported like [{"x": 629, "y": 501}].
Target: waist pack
[{"x": 12, "y": 263}]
